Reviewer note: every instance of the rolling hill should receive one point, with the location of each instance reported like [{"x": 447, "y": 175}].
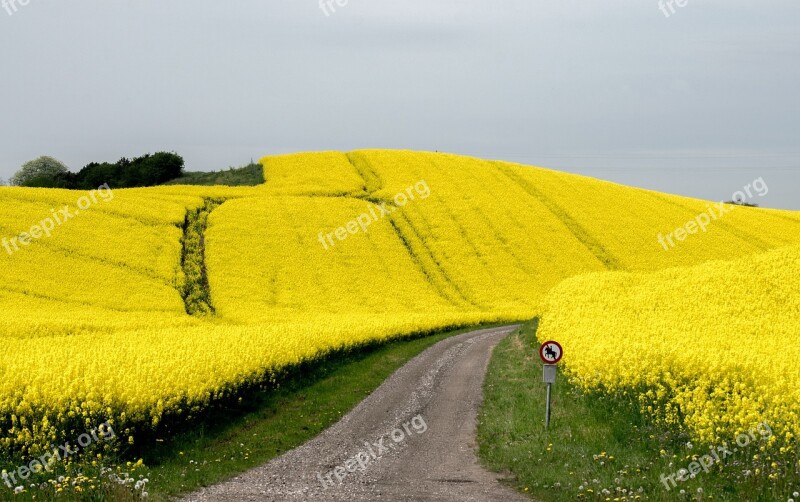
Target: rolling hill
[{"x": 333, "y": 251}]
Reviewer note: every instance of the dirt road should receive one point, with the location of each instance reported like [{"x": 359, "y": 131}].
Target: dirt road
[{"x": 413, "y": 439}]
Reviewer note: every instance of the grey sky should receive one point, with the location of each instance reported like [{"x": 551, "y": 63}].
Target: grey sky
[{"x": 700, "y": 103}]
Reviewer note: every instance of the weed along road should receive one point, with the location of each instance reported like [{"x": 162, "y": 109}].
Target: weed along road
[{"x": 412, "y": 439}]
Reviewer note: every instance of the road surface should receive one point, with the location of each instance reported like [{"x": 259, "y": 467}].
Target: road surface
[{"x": 413, "y": 439}]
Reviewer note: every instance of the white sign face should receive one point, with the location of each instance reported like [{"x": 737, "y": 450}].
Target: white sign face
[
  {"x": 550, "y": 371},
  {"x": 551, "y": 352}
]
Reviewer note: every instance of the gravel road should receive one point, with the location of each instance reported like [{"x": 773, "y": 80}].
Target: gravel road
[{"x": 413, "y": 439}]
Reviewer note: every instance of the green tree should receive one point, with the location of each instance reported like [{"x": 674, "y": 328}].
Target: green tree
[
  {"x": 147, "y": 170},
  {"x": 42, "y": 172}
]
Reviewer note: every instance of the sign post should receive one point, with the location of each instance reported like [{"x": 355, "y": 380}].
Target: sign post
[{"x": 551, "y": 353}]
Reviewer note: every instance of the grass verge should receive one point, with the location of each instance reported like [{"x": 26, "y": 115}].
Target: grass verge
[
  {"x": 598, "y": 448},
  {"x": 246, "y": 434},
  {"x": 277, "y": 421}
]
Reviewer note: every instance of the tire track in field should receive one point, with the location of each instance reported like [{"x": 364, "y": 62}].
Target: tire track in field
[{"x": 594, "y": 246}]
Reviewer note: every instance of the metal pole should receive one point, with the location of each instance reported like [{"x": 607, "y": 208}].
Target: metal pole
[{"x": 547, "y": 412}]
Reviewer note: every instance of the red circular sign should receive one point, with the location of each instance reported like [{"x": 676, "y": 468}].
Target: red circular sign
[{"x": 551, "y": 352}]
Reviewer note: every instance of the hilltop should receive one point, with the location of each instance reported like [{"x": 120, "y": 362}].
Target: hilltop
[{"x": 332, "y": 252}]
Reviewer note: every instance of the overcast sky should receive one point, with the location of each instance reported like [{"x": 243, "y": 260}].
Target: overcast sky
[{"x": 699, "y": 103}]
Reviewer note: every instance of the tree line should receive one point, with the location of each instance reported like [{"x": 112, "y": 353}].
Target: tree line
[{"x": 147, "y": 170}]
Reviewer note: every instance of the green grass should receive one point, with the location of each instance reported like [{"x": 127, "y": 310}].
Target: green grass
[
  {"x": 595, "y": 443},
  {"x": 276, "y": 421},
  {"x": 249, "y": 175}
]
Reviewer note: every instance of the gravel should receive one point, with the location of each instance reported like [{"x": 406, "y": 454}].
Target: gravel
[{"x": 413, "y": 439}]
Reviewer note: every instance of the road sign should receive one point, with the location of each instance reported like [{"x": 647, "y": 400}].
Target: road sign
[
  {"x": 550, "y": 371},
  {"x": 551, "y": 352}
]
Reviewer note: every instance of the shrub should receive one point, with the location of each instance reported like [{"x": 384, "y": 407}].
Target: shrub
[{"x": 42, "y": 172}]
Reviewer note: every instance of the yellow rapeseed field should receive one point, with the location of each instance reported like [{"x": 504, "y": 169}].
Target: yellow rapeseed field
[
  {"x": 713, "y": 348},
  {"x": 334, "y": 251}
]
